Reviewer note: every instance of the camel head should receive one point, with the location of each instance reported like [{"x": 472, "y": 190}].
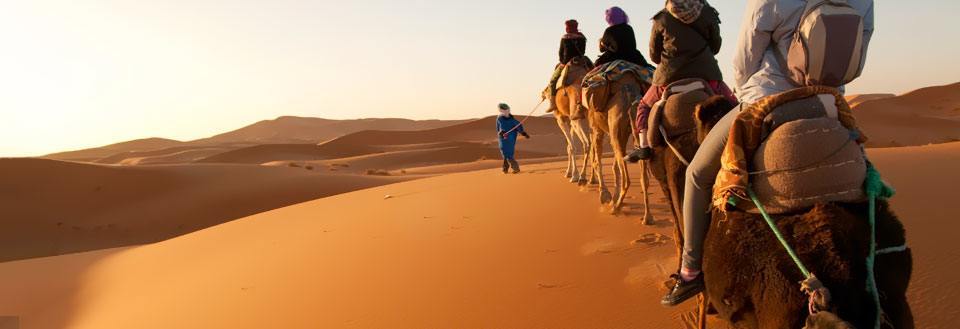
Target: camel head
[{"x": 708, "y": 113}]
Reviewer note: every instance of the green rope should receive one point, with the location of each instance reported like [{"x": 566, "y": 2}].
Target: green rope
[
  {"x": 776, "y": 231},
  {"x": 875, "y": 188}
]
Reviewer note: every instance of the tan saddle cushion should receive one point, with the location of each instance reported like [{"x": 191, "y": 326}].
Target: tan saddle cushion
[{"x": 807, "y": 161}]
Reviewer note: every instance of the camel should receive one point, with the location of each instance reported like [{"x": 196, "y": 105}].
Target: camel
[
  {"x": 571, "y": 119},
  {"x": 750, "y": 280},
  {"x": 616, "y": 120}
]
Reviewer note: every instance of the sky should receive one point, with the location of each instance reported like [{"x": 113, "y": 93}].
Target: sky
[{"x": 77, "y": 74}]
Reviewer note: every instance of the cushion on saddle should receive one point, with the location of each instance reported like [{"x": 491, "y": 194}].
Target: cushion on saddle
[
  {"x": 597, "y": 84},
  {"x": 578, "y": 62},
  {"x": 675, "y": 109},
  {"x": 807, "y": 157}
]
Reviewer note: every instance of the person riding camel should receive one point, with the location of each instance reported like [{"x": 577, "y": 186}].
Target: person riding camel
[
  {"x": 619, "y": 41},
  {"x": 508, "y": 128},
  {"x": 684, "y": 40},
  {"x": 573, "y": 45},
  {"x": 767, "y": 31}
]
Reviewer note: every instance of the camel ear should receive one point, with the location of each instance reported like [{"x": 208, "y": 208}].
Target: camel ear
[{"x": 711, "y": 110}]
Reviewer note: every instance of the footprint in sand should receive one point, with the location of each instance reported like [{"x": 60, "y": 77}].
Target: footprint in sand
[{"x": 652, "y": 239}]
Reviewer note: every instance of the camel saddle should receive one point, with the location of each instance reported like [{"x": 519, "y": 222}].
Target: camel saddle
[
  {"x": 597, "y": 84},
  {"x": 675, "y": 109},
  {"x": 580, "y": 61},
  {"x": 806, "y": 157}
]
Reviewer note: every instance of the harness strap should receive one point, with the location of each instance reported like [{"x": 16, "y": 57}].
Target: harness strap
[
  {"x": 890, "y": 250},
  {"x": 672, "y": 148}
]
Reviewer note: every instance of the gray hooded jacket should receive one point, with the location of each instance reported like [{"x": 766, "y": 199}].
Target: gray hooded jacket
[{"x": 768, "y": 26}]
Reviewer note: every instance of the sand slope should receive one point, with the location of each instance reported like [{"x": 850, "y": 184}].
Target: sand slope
[
  {"x": 50, "y": 207},
  {"x": 855, "y": 100},
  {"x": 285, "y": 130},
  {"x": 546, "y": 140},
  {"x": 128, "y": 146},
  {"x": 470, "y": 250},
  {"x": 928, "y": 115},
  {"x": 926, "y": 179},
  {"x": 478, "y": 249},
  {"x": 290, "y": 129}
]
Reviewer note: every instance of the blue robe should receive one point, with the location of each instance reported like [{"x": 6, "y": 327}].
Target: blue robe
[{"x": 507, "y": 145}]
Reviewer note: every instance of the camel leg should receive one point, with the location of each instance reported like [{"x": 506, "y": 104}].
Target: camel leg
[
  {"x": 644, "y": 184},
  {"x": 564, "y": 127},
  {"x": 580, "y": 130},
  {"x": 675, "y": 188},
  {"x": 619, "y": 144},
  {"x": 605, "y": 196},
  {"x": 702, "y": 311}
]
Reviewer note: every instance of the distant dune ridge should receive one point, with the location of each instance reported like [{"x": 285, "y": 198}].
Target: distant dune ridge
[
  {"x": 285, "y": 129},
  {"x": 364, "y": 142},
  {"x": 924, "y": 116}
]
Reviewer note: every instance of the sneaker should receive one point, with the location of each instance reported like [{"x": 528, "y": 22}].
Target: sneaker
[
  {"x": 640, "y": 153},
  {"x": 516, "y": 171},
  {"x": 683, "y": 290}
]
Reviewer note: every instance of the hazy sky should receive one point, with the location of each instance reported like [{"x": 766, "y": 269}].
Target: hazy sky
[{"x": 77, "y": 74}]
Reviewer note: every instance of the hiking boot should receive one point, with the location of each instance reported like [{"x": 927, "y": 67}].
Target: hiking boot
[
  {"x": 683, "y": 290},
  {"x": 640, "y": 153}
]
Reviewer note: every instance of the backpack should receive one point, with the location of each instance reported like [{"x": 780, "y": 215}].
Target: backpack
[{"x": 827, "y": 47}]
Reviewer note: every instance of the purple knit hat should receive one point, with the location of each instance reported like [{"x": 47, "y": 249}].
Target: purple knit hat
[{"x": 615, "y": 16}]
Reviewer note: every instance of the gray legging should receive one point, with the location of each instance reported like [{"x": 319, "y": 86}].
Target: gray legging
[{"x": 698, "y": 190}]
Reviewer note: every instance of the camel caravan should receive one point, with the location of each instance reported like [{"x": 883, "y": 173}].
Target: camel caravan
[{"x": 780, "y": 219}]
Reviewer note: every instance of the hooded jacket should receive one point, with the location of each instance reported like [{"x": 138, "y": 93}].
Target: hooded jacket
[
  {"x": 768, "y": 28},
  {"x": 619, "y": 42},
  {"x": 684, "y": 50}
]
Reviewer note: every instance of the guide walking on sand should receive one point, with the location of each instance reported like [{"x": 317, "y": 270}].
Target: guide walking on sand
[{"x": 508, "y": 128}]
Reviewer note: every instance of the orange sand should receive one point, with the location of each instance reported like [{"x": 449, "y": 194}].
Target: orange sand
[{"x": 469, "y": 250}]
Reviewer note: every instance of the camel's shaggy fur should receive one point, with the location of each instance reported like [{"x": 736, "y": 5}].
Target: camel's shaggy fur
[{"x": 751, "y": 281}]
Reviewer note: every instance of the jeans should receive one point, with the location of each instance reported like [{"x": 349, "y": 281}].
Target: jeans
[{"x": 698, "y": 190}]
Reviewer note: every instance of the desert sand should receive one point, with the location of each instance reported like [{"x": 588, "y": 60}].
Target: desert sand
[
  {"x": 923, "y": 116},
  {"x": 469, "y": 250},
  {"x": 50, "y": 207}
]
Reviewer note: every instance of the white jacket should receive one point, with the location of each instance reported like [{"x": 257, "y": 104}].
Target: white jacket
[{"x": 767, "y": 26}]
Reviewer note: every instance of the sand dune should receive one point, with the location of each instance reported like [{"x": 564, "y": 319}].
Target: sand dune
[
  {"x": 282, "y": 130},
  {"x": 422, "y": 156},
  {"x": 297, "y": 130},
  {"x": 926, "y": 179},
  {"x": 177, "y": 154},
  {"x": 470, "y": 250},
  {"x": 855, "y": 100},
  {"x": 49, "y": 207},
  {"x": 104, "y": 151},
  {"x": 924, "y": 116},
  {"x": 546, "y": 140}
]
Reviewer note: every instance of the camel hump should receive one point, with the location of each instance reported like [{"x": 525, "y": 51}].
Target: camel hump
[
  {"x": 597, "y": 84},
  {"x": 574, "y": 71},
  {"x": 807, "y": 157},
  {"x": 675, "y": 110}
]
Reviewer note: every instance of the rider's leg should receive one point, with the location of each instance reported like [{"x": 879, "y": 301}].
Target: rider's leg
[
  {"x": 698, "y": 191},
  {"x": 642, "y": 151},
  {"x": 553, "y": 86}
]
